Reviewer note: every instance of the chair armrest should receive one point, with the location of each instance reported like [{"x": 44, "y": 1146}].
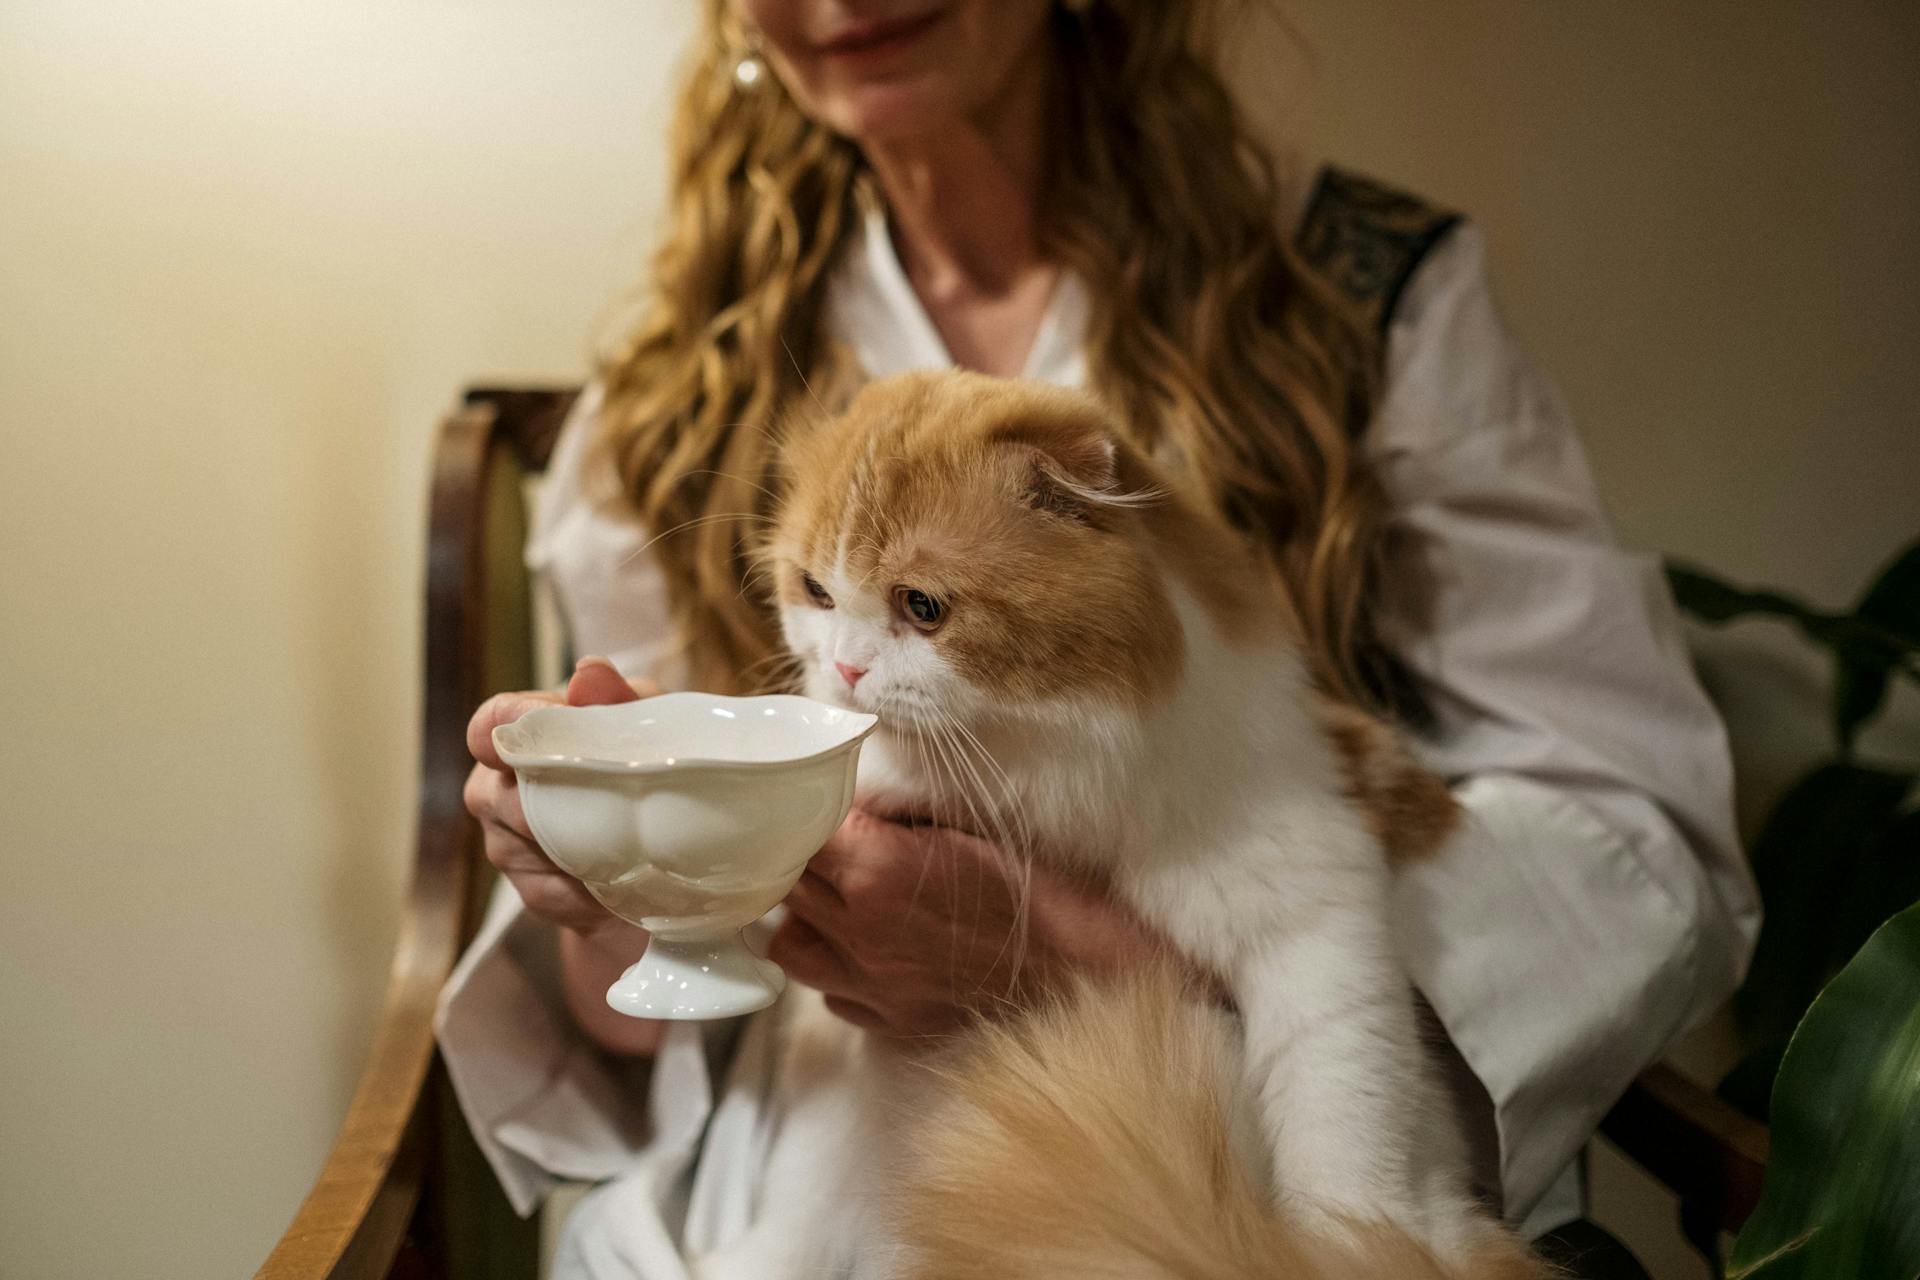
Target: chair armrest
[
  {"x": 1707, "y": 1151},
  {"x": 355, "y": 1217}
]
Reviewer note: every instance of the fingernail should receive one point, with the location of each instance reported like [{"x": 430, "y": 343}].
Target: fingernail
[{"x": 592, "y": 658}]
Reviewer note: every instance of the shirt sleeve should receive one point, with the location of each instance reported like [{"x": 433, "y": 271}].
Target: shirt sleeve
[
  {"x": 542, "y": 1100},
  {"x": 1596, "y": 904}
]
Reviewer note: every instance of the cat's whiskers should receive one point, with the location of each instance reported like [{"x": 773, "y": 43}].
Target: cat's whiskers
[
  {"x": 1007, "y": 814},
  {"x": 1002, "y": 818},
  {"x": 802, "y": 375},
  {"x": 1009, "y": 795},
  {"x": 932, "y": 726},
  {"x": 925, "y": 734},
  {"x": 755, "y": 571},
  {"x": 942, "y": 750},
  {"x": 727, "y": 475},
  {"x": 1007, "y": 826},
  {"x": 785, "y": 673},
  {"x": 696, "y": 522},
  {"x": 742, "y": 424},
  {"x": 908, "y": 731},
  {"x": 945, "y": 780}
]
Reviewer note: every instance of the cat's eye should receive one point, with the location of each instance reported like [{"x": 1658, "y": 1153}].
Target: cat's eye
[
  {"x": 816, "y": 592},
  {"x": 919, "y": 608}
]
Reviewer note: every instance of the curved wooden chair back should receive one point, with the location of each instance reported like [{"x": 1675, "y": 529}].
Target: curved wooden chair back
[{"x": 405, "y": 1192}]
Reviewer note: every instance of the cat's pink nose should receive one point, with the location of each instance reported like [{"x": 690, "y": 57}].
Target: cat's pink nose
[{"x": 850, "y": 674}]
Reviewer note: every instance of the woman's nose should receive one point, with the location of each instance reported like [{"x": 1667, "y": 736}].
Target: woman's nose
[{"x": 849, "y": 673}]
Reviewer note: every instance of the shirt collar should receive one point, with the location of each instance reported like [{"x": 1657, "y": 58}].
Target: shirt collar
[{"x": 872, "y": 308}]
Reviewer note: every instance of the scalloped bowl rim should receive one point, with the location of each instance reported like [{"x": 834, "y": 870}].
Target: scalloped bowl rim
[{"x": 510, "y": 740}]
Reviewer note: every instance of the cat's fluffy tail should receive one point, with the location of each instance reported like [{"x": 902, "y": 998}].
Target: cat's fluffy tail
[{"x": 1091, "y": 1139}]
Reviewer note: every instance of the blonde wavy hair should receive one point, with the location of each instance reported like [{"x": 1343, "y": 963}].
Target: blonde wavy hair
[{"x": 1207, "y": 333}]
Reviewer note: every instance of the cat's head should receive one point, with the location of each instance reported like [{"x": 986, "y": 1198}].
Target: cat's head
[{"x": 956, "y": 546}]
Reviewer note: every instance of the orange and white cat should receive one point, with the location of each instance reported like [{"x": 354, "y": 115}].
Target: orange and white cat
[{"x": 1067, "y": 652}]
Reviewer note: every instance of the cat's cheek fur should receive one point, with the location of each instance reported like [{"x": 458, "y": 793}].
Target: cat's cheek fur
[
  {"x": 807, "y": 633},
  {"x": 904, "y": 669}
]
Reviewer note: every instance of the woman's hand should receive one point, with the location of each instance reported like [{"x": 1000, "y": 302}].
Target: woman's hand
[
  {"x": 910, "y": 930},
  {"x": 595, "y": 945},
  {"x": 493, "y": 796}
]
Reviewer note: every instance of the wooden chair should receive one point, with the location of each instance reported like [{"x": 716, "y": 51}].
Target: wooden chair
[{"x": 405, "y": 1192}]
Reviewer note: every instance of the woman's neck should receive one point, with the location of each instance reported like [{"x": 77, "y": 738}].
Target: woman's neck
[
  {"x": 963, "y": 202},
  {"x": 963, "y": 209}
]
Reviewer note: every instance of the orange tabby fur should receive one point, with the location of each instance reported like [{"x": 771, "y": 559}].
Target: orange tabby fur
[
  {"x": 1088, "y": 1139},
  {"x": 1406, "y": 804}
]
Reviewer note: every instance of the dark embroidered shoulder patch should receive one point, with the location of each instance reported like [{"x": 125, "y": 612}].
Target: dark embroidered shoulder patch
[{"x": 1368, "y": 239}]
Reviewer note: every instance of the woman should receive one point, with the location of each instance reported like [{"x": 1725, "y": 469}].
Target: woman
[{"x": 1063, "y": 191}]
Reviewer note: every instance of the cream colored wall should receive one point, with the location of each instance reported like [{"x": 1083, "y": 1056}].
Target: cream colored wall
[
  {"x": 248, "y": 250},
  {"x": 1701, "y": 220}
]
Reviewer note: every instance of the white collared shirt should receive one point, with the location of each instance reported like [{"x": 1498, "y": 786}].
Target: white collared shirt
[{"x": 1595, "y": 907}]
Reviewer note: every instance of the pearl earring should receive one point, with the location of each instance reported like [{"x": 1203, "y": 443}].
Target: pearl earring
[{"x": 748, "y": 68}]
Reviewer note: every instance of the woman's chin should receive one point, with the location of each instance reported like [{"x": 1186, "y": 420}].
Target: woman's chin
[{"x": 893, "y": 110}]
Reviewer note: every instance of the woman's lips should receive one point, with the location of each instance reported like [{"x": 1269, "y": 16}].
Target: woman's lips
[{"x": 877, "y": 38}]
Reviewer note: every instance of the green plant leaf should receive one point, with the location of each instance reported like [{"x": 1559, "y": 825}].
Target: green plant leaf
[
  {"x": 1842, "y": 1195},
  {"x": 1806, "y": 860},
  {"x": 1885, "y": 880},
  {"x": 1714, "y": 599},
  {"x": 1878, "y": 640},
  {"x": 1859, "y": 687},
  {"x": 1892, "y": 602},
  {"x": 1863, "y": 672}
]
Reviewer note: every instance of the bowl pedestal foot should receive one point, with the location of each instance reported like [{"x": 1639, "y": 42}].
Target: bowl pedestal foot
[{"x": 708, "y": 978}]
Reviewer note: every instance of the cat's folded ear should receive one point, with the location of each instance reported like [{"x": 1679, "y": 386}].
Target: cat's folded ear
[
  {"x": 1071, "y": 481},
  {"x": 1077, "y": 471}
]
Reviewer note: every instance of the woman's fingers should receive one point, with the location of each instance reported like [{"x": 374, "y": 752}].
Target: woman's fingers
[
  {"x": 501, "y": 708},
  {"x": 858, "y": 1014},
  {"x": 494, "y": 799},
  {"x": 808, "y": 958},
  {"x": 554, "y": 895},
  {"x": 813, "y": 897},
  {"x": 909, "y": 926},
  {"x": 492, "y": 795},
  {"x": 596, "y": 683},
  {"x": 854, "y": 855}
]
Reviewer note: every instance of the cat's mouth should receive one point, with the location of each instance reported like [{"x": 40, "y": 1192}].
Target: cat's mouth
[
  {"x": 837, "y": 693},
  {"x": 921, "y": 720},
  {"x": 898, "y": 708}
]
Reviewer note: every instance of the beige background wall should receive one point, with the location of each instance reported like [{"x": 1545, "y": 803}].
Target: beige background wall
[{"x": 248, "y": 250}]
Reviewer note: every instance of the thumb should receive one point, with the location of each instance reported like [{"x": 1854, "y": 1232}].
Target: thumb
[{"x": 595, "y": 682}]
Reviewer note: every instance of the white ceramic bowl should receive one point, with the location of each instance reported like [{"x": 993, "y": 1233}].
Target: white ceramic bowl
[{"x": 691, "y": 815}]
